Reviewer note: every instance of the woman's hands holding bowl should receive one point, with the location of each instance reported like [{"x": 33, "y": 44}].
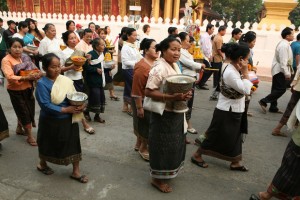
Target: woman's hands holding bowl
[
  {"x": 73, "y": 109},
  {"x": 182, "y": 96}
]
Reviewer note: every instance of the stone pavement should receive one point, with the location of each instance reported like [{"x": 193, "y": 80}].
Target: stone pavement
[{"x": 116, "y": 171}]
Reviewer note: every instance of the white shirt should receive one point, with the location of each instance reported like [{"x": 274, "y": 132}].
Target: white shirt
[
  {"x": 206, "y": 44},
  {"x": 72, "y": 74},
  {"x": 189, "y": 66},
  {"x": 282, "y": 58},
  {"x": 129, "y": 56},
  {"x": 18, "y": 35},
  {"x": 232, "y": 78}
]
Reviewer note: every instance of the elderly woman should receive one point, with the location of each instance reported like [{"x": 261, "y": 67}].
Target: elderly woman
[
  {"x": 58, "y": 132},
  {"x": 141, "y": 117},
  {"x": 166, "y": 134},
  {"x": 72, "y": 71},
  {"x": 95, "y": 80},
  {"x": 189, "y": 67},
  {"x": 224, "y": 135},
  {"x": 20, "y": 88},
  {"x": 50, "y": 44},
  {"x": 130, "y": 56}
]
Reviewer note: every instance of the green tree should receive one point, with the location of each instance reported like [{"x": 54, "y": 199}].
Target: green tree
[
  {"x": 295, "y": 16},
  {"x": 238, "y": 10},
  {"x": 3, "y": 5}
]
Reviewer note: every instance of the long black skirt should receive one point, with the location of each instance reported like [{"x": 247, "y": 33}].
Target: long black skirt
[
  {"x": 58, "y": 141},
  {"x": 118, "y": 78},
  {"x": 140, "y": 125},
  {"x": 24, "y": 105},
  {"x": 4, "y": 133},
  {"x": 223, "y": 137},
  {"x": 286, "y": 182},
  {"x": 96, "y": 100},
  {"x": 128, "y": 75},
  {"x": 166, "y": 144}
]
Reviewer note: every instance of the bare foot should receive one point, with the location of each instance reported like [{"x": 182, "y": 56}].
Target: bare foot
[
  {"x": 161, "y": 186},
  {"x": 264, "y": 195}
]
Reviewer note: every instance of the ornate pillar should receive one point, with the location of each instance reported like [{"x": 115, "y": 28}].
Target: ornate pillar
[
  {"x": 277, "y": 13},
  {"x": 122, "y": 6},
  {"x": 155, "y": 9},
  {"x": 167, "y": 9},
  {"x": 201, "y": 12},
  {"x": 176, "y": 9}
]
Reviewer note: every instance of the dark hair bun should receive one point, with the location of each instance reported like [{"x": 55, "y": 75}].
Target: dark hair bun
[{"x": 229, "y": 48}]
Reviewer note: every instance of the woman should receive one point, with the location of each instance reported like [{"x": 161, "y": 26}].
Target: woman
[
  {"x": 4, "y": 132},
  {"x": 95, "y": 80},
  {"x": 130, "y": 56},
  {"x": 20, "y": 90},
  {"x": 286, "y": 182},
  {"x": 146, "y": 32},
  {"x": 102, "y": 34},
  {"x": 26, "y": 37},
  {"x": 118, "y": 78},
  {"x": 50, "y": 44},
  {"x": 33, "y": 30},
  {"x": 166, "y": 134},
  {"x": 108, "y": 36},
  {"x": 141, "y": 117},
  {"x": 92, "y": 26},
  {"x": 70, "y": 26},
  {"x": 58, "y": 137},
  {"x": 224, "y": 135},
  {"x": 72, "y": 71},
  {"x": 190, "y": 68}
]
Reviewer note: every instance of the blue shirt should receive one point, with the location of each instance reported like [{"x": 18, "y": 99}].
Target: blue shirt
[
  {"x": 296, "y": 51},
  {"x": 43, "y": 97}
]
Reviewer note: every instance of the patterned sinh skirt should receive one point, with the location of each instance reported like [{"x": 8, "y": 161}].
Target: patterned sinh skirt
[
  {"x": 224, "y": 139},
  {"x": 128, "y": 75},
  {"x": 96, "y": 100},
  {"x": 4, "y": 133},
  {"x": 166, "y": 144},
  {"x": 58, "y": 141},
  {"x": 140, "y": 125},
  {"x": 24, "y": 105},
  {"x": 286, "y": 182}
]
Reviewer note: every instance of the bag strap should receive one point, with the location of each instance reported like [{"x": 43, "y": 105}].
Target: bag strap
[{"x": 222, "y": 75}]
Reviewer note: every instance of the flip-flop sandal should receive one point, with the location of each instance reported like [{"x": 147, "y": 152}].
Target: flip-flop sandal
[
  {"x": 263, "y": 107},
  {"x": 81, "y": 179},
  {"x": 100, "y": 120},
  {"x": 200, "y": 164},
  {"x": 145, "y": 156},
  {"x": 240, "y": 168},
  {"x": 254, "y": 197},
  {"x": 89, "y": 130},
  {"x": 129, "y": 113},
  {"x": 192, "y": 131},
  {"x": 32, "y": 142},
  {"x": 166, "y": 186},
  {"x": 47, "y": 170},
  {"x": 280, "y": 134}
]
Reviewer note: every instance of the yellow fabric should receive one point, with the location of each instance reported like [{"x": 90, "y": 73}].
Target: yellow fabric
[{"x": 61, "y": 87}]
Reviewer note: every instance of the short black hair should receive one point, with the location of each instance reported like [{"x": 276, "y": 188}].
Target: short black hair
[
  {"x": 298, "y": 36},
  {"x": 22, "y": 24},
  {"x": 11, "y": 41},
  {"x": 209, "y": 26},
  {"x": 286, "y": 31},
  {"x": 65, "y": 36},
  {"x": 222, "y": 28},
  {"x": 165, "y": 44},
  {"x": 171, "y": 30},
  {"x": 145, "y": 27},
  {"x": 1, "y": 20},
  {"x": 47, "y": 59},
  {"x": 47, "y": 26},
  {"x": 87, "y": 30},
  {"x": 95, "y": 42},
  {"x": 129, "y": 32},
  {"x": 68, "y": 23},
  {"x": 9, "y": 22},
  {"x": 91, "y": 24},
  {"x": 182, "y": 35},
  {"x": 236, "y": 31}
]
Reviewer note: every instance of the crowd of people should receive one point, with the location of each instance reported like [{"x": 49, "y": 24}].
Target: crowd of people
[{"x": 142, "y": 69}]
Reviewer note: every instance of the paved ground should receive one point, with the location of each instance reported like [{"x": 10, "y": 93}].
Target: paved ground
[{"x": 116, "y": 171}]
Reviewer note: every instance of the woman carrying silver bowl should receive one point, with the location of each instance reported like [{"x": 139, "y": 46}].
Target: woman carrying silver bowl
[{"x": 58, "y": 134}]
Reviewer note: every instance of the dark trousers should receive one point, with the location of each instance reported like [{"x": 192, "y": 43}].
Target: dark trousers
[
  {"x": 277, "y": 90},
  {"x": 207, "y": 74}
]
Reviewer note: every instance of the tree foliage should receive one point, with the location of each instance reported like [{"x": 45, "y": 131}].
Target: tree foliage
[
  {"x": 3, "y": 5},
  {"x": 295, "y": 16},
  {"x": 238, "y": 10}
]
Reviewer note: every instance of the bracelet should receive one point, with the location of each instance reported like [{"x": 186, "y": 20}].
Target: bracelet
[{"x": 139, "y": 108}]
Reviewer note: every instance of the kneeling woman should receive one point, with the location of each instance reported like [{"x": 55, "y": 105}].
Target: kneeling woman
[
  {"x": 224, "y": 135},
  {"x": 58, "y": 138}
]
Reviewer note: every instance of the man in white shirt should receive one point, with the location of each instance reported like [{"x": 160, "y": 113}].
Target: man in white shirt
[
  {"x": 206, "y": 45},
  {"x": 281, "y": 71}
]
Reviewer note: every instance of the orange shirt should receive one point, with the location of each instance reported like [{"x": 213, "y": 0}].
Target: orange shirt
[{"x": 14, "y": 82}]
